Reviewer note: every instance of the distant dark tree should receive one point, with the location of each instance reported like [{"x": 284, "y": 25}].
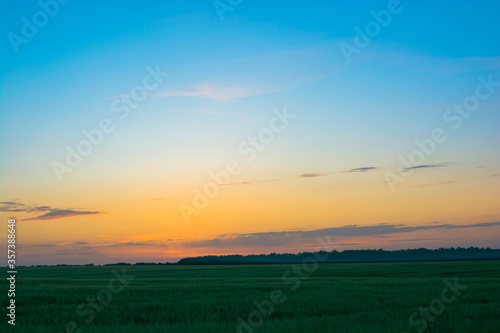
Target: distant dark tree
[{"x": 362, "y": 255}]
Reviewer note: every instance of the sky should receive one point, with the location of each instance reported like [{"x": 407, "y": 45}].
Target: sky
[{"x": 166, "y": 129}]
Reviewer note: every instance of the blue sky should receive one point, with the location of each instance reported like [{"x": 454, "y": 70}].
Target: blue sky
[{"x": 226, "y": 76}]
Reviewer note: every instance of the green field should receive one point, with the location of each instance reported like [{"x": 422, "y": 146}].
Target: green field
[{"x": 372, "y": 297}]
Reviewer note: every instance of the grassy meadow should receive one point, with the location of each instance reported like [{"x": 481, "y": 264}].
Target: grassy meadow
[{"x": 348, "y": 297}]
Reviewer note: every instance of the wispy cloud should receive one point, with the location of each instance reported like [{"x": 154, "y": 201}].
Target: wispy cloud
[
  {"x": 280, "y": 238},
  {"x": 427, "y": 166},
  {"x": 219, "y": 93},
  {"x": 364, "y": 169},
  {"x": 52, "y": 213},
  {"x": 286, "y": 240},
  {"x": 410, "y": 240},
  {"x": 253, "y": 182},
  {"x": 309, "y": 175},
  {"x": 137, "y": 244},
  {"x": 61, "y": 213},
  {"x": 71, "y": 243},
  {"x": 11, "y": 206},
  {"x": 303, "y": 175},
  {"x": 282, "y": 70},
  {"x": 436, "y": 184},
  {"x": 209, "y": 111},
  {"x": 433, "y": 64}
]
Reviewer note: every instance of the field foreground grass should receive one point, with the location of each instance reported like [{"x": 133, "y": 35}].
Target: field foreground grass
[{"x": 372, "y": 297}]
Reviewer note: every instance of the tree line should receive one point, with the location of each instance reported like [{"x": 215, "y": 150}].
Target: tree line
[{"x": 421, "y": 254}]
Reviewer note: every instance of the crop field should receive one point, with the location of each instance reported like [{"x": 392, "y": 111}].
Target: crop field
[{"x": 309, "y": 297}]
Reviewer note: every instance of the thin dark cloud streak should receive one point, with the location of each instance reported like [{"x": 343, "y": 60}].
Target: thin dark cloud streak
[
  {"x": 303, "y": 175},
  {"x": 436, "y": 184},
  {"x": 50, "y": 213},
  {"x": 363, "y": 169},
  {"x": 309, "y": 175},
  {"x": 429, "y": 166},
  {"x": 11, "y": 206},
  {"x": 61, "y": 213}
]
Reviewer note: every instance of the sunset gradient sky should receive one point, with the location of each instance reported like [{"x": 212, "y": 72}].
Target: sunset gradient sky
[{"x": 323, "y": 174}]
